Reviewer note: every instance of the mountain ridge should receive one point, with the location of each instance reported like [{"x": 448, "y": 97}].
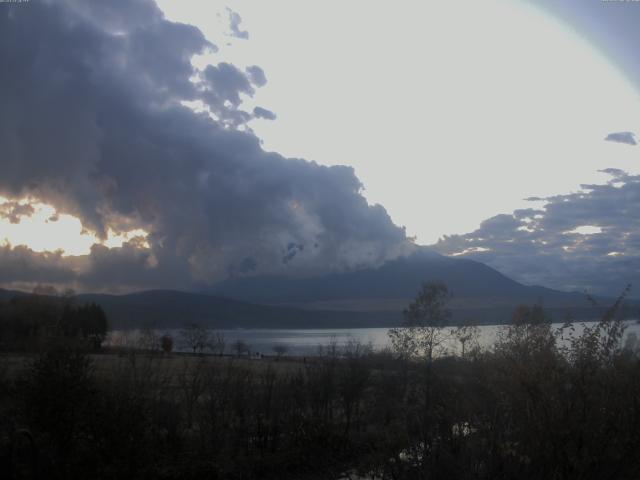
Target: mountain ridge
[
  {"x": 397, "y": 279},
  {"x": 373, "y": 297}
]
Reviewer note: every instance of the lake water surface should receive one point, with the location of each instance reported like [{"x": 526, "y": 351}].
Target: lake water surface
[{"x": 308, "y": 341}]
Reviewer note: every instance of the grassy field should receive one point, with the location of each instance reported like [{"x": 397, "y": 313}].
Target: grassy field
[{"x": 13, "y": 366}]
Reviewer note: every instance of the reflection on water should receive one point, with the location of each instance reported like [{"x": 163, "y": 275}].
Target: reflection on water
[{"x": 306, "y": 342}]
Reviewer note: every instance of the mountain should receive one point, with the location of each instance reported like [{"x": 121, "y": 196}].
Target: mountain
[
  {"x": 398, "y": 278},
  {"x": 372, "y": 297},
  {"x": 479, "y": 292},
  {"x": 8, "y": 294},
  {"x": 174, "y": 309}
]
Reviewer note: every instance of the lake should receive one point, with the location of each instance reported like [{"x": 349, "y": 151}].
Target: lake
[{"x": 307, "y": 341}]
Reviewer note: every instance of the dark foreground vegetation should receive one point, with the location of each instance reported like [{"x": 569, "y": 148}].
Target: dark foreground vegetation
[
  {"x": 29, "y": 322},
  {"x": 531, "y": 407}
]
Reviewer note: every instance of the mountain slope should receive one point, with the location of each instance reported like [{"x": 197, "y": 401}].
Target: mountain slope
[
  {"x": 478, "y": 291},
  {"x": 8, "y": 294},
  {"x": 174, "y": 309},
  {"x": 396, "y": 279}
]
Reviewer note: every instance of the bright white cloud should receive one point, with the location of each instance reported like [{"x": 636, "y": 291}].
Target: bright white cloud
[
  {"x": 586, "y": 230},
  {"x": 449, "y": 111}
]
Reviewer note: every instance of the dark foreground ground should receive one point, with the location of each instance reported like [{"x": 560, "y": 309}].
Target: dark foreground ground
[{"x": 526, "y": 409}]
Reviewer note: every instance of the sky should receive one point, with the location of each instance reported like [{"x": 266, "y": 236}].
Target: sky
[
  {"x": 411, "y": 93},
  {"x": 304, "y": 137}
]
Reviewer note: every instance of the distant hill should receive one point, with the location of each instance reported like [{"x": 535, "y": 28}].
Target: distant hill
[
  {"x": 174, "y": 309},
  {"x": 8, "y": 294},
  {"x": 480, "y": 292},
  {"x": 171, "y": 309}
]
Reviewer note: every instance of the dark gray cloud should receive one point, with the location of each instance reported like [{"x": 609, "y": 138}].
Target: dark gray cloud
[
  {"x": 14, "y": 211},
  {"x": 622, "y": 137},
  {"x": 263, "y": 113},
  {"x": 234, "y": 23},
  {"x": 20, "y": 266},
  {"x": 549, "y": 246},
  {"x": 222, "y": 89},
  {"x": 93, "y": 122},
  {"x": 257, "y": 76},
  {"x": 113, "y": 270}
]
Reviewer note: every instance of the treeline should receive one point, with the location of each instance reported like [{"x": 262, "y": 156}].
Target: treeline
[
  {"x": 542, "y": 403},
  {"x": 28, "y": 322}
]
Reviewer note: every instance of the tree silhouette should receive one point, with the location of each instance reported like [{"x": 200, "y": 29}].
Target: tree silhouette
[{"x": 425, "y": 318}]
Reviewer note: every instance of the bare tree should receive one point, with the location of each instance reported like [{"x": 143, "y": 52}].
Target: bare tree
[
  {"x": 280, "y": 350},
  {"x": 148, "y": 340},
  {"x": 195, "y": 337},
  {"x": 240, "y": 347},
  {"x": 217, "y": 343},
  {"x": 466, "y": 334},
  {"x": 425, "y": 318}
]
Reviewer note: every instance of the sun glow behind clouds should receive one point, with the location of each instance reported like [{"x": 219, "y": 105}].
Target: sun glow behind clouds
[{"x": 38, "y": 226}]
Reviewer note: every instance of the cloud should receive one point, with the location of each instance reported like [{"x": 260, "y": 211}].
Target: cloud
[
  {"x": 222, "y": 87},
  {"x": 22, "y": 265},
  {"x": 589, "y": 239},
  {"x": 263, "y": 113},
  {"x": 622, "y": 137},
  {"x": 234, "y": 23},
  {"x": 94, "y": 123},
  {"x": 14, "y": 211},
  {"x": 257, "y": 76}
]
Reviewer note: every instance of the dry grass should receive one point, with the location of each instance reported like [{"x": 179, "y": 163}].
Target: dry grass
[{"x": 15, "y": 365}]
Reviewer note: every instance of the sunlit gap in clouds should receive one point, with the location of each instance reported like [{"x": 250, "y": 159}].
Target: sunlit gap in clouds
[{"x": 40, "y": 227}]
